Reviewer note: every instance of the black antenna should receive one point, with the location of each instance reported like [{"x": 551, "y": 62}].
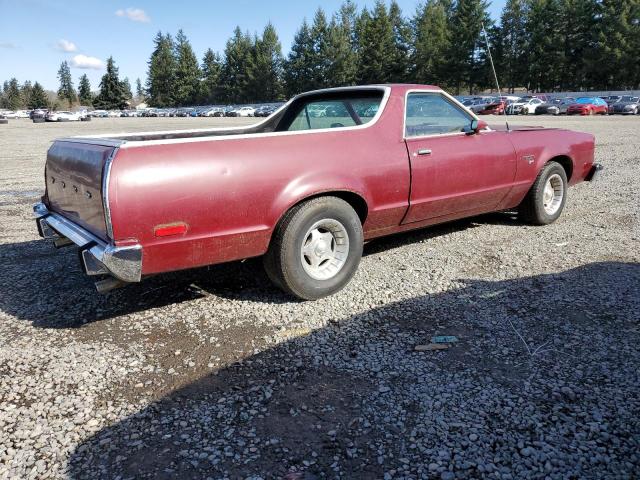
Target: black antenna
[{"x": 495, "y": 75}]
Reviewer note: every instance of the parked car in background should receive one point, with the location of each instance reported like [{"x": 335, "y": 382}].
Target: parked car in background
[
  {"x": 8, "y": 114},
  {"x": 495, "y": 106},
  {"x": 304, "y": 192},
  {"x": 38, "y": 113},
  {"x": 99, "y": 114},
  {"x": 216, "y": 112},
  {"x": 611, "y": 99},
  {"x": 524, "y": 106},
  {"x": 557, "y": 106},
  {"x": 114, "y": 113},
  {"x": 478, "y": 104},
  {"x": 243, "y": 112},
  {"x": 588, "y": 106},
  {"x": 627, "y": 105},
  {"x": 63, "y": 116}
]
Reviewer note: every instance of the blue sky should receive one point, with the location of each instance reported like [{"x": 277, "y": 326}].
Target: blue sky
[{"x": 37, "y": 35}]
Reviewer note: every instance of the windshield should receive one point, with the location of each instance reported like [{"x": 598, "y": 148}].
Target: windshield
[{"x": 584, "y": 100}]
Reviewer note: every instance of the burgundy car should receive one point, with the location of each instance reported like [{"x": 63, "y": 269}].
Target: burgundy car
[
  {"x": 588, "y": 106},
  {"x": 494, "y": 108},
  {"x": 303, "y": 190}
]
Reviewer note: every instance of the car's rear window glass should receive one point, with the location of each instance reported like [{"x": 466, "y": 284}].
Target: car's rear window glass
[{"x": 341, "y": 112}]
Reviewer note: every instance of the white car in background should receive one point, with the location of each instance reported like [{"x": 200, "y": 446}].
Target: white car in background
[
  {"x": 524, "y": 106},
  {"x": 8, "y": 114},
  {"x": 22, "y": 114},
  {"x": 114, "y": 113},
  {"x": 63, "y": 117},
  {"x": 246, "y": 112}
]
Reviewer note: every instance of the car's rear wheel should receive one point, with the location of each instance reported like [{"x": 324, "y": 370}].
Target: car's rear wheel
[
  {"x": 546, "y": 198},
  {"x": 316, "y": 248}
]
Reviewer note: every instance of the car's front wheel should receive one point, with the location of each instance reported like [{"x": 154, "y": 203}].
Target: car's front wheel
[
  {"x": 546, "y": 198},
  {"x": 316, "y": 248}
]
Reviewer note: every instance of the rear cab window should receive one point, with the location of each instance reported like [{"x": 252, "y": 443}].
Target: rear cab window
[{"x": 334, "y": 110}]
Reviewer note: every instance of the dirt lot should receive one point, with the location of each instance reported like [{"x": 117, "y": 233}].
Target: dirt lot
[{"x": 214, "y": 373}]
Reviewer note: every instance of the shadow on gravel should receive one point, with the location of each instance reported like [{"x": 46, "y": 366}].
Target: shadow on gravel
[
  {"x": 544, "y": 380},
  {"x": 47, "y": 287}
]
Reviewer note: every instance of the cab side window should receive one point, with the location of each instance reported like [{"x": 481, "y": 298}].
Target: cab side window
[{"x": 433, "y": 114}]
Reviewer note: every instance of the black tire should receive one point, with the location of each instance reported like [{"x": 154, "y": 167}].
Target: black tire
[
  {"x": 39, "y": 120},
  {"x": 283, "y": 261},
  {"x": 85, "y": 119},
  {"x": 3, "y": 121},
  {"x": 532, "y": 209}
]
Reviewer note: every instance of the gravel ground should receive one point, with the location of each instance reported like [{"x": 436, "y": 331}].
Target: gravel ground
[{"x": 214, "y": 373}]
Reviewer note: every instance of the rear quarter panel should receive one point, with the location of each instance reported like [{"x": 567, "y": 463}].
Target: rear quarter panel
[{"x": 232, "y": 191}]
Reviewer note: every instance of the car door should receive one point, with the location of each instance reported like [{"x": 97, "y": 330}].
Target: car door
[{"x": 453, "y": 171}]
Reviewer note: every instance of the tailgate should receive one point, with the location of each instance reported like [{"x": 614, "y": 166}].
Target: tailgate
[{"x": 74, "y": 174}]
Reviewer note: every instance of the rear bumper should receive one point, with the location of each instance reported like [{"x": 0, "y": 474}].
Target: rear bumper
[
  {"x": 97, "y": 257},
  {"x": 594, "y": 173}
]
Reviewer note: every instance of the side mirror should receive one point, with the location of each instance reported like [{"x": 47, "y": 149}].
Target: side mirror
[{"x": 476, "y": 126}]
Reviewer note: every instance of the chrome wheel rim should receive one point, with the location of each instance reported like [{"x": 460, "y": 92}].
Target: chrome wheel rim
[
  {"x": 325, "y": 249},
  {"x": 553, "y": 194}
]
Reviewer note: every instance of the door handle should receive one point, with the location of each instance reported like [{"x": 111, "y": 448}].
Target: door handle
[{"x": 424, "y": 151}]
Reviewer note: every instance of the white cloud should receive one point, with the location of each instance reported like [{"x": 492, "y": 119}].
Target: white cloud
[
  {"x": 8, "y": 45},
  {"x": 83, "y": 61},
  {"x": 135, "y": 14},
  {"x": 66, "y": 45}
]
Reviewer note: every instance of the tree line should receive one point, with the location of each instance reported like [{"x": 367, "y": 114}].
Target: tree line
[
  {"x": 539, "y": 45},
  {"x": 113, "y": 93}
]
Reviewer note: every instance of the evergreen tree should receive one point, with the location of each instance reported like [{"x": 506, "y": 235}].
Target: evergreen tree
[
  {"x": 377, "y": 46},
  {"x": 512, "y": 60},
  {"x": 66, "y": 90},
  {"x": 617, "y": 54},
  {"x": 402, "y": 45},
  {"x": 431, "y": 44},
  {"x": 320, "y": 60},
  {"x": 38, "y": 98},
  {"x": 126, "y": 87},
  {"x": 25, "y": 93},
  {"x": 545, "y": 45},
  {"x": 139, "y": 90},
  {"x": 112, "y": 93},
  {"x": 299, "y": 67},
  {"x": 238, "y": 55},
  {"x": 464, "y": 59},
  {"x": 187, "y": 86},
  {"x": 340, "y": 48},
  {"x": 12, "y": 96},
  {"x": 266, "y": 68},
  {"x": 211, "y": 72},
  {"x": 162, "y": 72},
  {"x": 578, "y": 23},
  {"x": 84, "y": 91}
]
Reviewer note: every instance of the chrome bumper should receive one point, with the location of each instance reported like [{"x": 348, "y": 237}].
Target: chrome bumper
[{"x": 97, "y": 257}]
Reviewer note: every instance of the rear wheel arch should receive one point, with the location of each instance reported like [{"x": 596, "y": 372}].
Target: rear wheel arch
[{"x": 357, "y": 202}]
